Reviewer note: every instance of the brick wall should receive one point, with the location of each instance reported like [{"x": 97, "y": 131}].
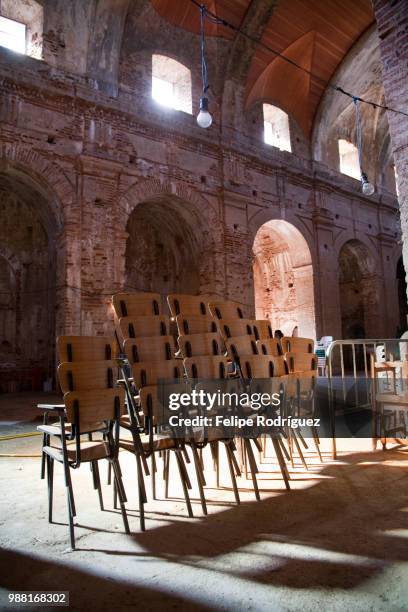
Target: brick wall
[
  {"x": 392, "y": 22},
  {"x": 139, "y": 195}
]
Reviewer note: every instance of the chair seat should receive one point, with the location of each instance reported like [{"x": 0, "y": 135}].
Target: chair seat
[
  {"x": 55, "y": 428},
  {"x": 159, "y": 443},
  {"x": 90, "y": 451}
]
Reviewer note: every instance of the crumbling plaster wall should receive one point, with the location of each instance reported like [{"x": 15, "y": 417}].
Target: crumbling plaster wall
[{"x": 106, "y": 152}]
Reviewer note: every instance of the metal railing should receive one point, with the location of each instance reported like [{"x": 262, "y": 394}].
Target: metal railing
[
  {"x": 391, "y": 347},
  {"x": 351, "y": 359}
]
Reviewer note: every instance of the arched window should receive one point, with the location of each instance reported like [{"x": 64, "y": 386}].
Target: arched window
[
  {"x": 171, "y": 83},
  {"x": 276, "y": 127},
  {"x": 21, "y": 26},
  {"x": 349, "y": 159}
]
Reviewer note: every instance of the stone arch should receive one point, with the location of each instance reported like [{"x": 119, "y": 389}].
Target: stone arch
[
  {"x": 283, "y": 278},
  {"x": 36, "y": 198},
  {"x": 359, "y": 290},
  {"x": 46, "y": 175},
  {"x": 350, "y": 235},
  {"x": 190, "y": 229},
  {"x": 265, "y": 215}
]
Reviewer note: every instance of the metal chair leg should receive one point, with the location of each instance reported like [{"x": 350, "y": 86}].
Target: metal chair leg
[
  {"x": 299, "y": 433},
  {"x": 70, "y": 501},
  {"x": 167, "y": 473},
  {"x": 229, "y": 452},
  {"x": 253, "y": 467},
  {"x": 299, "y": 450},
  {"x": 153, "y": 460},
  {"x": 317, "y": 443},
  {"x": 234, "y": 460},
  {"x": 200, "y": 478},
  {"x": 97, "y": 480},
  {"x": 120, "y": 489},
  {"x": 281, "y": 461},
  {"x": 50, "y": 479},
  {"x": 182, "y": 472}
]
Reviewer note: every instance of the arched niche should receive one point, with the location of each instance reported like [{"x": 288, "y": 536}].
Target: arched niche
[
  {"x": 28, "y": 259},
  {"x": 163, "y": 248},
  {"x": 359, "y": 291}
]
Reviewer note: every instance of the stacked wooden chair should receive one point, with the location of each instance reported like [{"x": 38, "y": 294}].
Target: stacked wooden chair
[
  {"x": 93, "y": 406},
  {"x": 240, "y": 336},
  {"x": 302, "y": 365},
  {"x": 151, "y": 353},
  {"x": 204, "y": 354}
]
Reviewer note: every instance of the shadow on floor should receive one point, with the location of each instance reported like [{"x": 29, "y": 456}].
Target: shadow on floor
[
  {"x": 336, "y": 533},
  {"x": 24, "y": 572}
]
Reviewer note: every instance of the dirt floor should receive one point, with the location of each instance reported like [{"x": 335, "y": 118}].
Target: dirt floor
[{"x": 337, "y": 541}]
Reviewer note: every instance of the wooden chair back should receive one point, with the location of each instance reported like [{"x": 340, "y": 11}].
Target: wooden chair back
[
  {"x": 153, "y": 401},
  {"x": 280, "y": 366},
  {"x": 292, "y": 344},
  {"x": 257, "y": 366},
  {"x": 138, "y": 304},
  {"x": 207, "y": 367},
  {"x": 226, "y": 310},
  {"x": 144, "y": 326},
  {"x": 262, "y": 329},
  {"x": 194, "y": 345},
  {"x": 187, "y": 305},
  {"x": 155, "y": 348},
  {"x": 192, "y": 324},
  {"x": 269, "y": 346},
  {"x": 86, "y": 348},
  {"x": 301, "y": 362},
  {"x": 86, "y": 408},
  {"x": 240, "y": 346},
  {"x": 147, "y": 373},
  {"x": 229, "y": 328},
  {"x": 79, "y": 376}
]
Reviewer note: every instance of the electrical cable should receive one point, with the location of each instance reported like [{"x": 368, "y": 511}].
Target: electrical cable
[
  {"x": 22, "y": 435},
  {"x": 213, "y": 18}
]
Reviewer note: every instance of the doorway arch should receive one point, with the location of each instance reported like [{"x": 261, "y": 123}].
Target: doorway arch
[{"x": 283, "y": 278}]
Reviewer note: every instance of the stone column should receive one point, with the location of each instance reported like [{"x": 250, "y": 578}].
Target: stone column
[{"x": 392, "y": 22}]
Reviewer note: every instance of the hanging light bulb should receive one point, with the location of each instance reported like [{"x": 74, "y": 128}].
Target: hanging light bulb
[
  {"x": 366, "y": 187},
  {"x": 204, "y": 118}
]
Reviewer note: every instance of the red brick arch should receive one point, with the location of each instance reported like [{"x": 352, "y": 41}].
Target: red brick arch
[{"x": 45, "y": 175}]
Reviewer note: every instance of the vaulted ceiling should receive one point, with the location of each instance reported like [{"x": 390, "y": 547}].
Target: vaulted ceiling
[{"x": 315, "y": 34}]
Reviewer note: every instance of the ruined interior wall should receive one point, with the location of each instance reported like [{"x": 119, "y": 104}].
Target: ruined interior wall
[
  {"x": 112, "y": 156},
  {"x": 161, "y": 251},
  {"x": 359, "y": 292},
  {"x": 27, "y": 293}
]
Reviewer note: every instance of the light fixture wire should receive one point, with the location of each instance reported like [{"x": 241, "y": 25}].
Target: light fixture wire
[
  {"x": 359, "y": 134},
  {"x": 204, "y": 69}
]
